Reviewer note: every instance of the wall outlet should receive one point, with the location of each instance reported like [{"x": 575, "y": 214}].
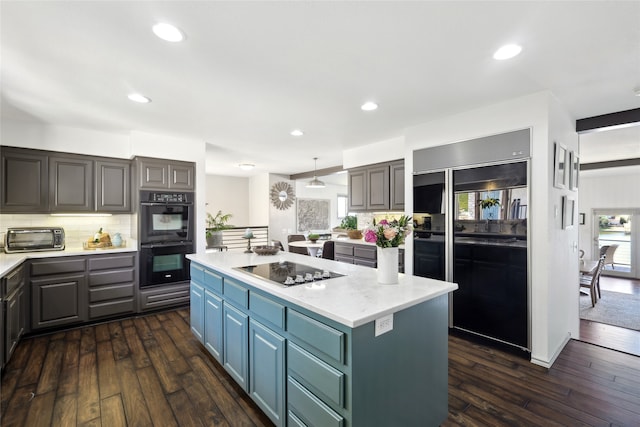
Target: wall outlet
[{"x": 384, "y": 324}]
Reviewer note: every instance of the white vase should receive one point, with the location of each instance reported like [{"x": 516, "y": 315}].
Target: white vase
[{"x": 387, "y": 266}]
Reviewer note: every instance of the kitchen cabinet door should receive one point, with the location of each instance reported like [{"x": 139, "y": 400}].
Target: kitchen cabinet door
[
  {"x": 378, "y": 188},
  {"x": 357, "y": 190},
  {"x": 213, "y": 319},
  {"x": 181, "y": 176},
  {"x": 267, "y": 371},
  {"x": 236, "y": 344},
  {"x": 24, "y": 183},
  {"x": 71, "y": 184},
  {"x": 396, "y": 175},
  {"x": 197, "y": 311},
  {"x": 15, "y": 318},
  {"x": 58, "y": 301},
  {"x": 113, "y": 187}
]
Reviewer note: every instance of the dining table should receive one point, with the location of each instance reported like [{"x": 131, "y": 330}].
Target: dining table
[
  {"x": 588, "y": 266},
  {"x": 312, "y": 247}
]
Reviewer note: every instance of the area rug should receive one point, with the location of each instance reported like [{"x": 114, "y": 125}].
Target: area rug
[{"x": 614, "y": 308}]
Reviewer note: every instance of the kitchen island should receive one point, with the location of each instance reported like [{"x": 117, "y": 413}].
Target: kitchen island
[{"x": 345, "y": 351}]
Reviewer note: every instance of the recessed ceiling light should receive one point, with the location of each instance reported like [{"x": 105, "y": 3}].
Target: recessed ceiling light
[
  {"x": 369, "y": 106},
  {"x": 136, "y": 97},
  {"x": 507, "y": 51},
  {"x": 297, "y": 132},
  {"x": 168, "y": 32},
  {"x": 246, "y": 166}
]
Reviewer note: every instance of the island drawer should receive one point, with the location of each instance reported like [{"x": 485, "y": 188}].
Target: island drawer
[
  {"x": 235, "y": 292},
  {"x": 311, "y": 410},
  {"x": 324, "y": 338},
  {"x": 294, "y": 421},
  {"x": 213, "y": 281},
  {"x": 196, "y": 273},
  {"x": 267, "y": 309},
  {"x": 316, "y": 374}
]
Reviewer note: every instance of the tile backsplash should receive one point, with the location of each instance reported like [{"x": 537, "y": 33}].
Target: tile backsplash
[{"x": 77, "y": 229}]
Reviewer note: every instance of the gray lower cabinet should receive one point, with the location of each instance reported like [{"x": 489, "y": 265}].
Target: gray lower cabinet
[
  {"x": 112, "y": 285},
  {"x": 361, "y": 254},
  {"x": 73, "y": 290},
  {"x": 15, "y": 312},
  {"x": 24, "y": 184},
  {"x": 157, "y": 297}
]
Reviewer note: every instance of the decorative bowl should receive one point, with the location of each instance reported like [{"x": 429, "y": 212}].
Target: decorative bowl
[
  {"x": 354, "y": 234},
  {"x": 265, "y": 250}
]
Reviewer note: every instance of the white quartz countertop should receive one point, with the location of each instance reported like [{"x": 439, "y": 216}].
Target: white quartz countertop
[
  {"x": 352, "y": 300},
  {"x": 357, "y": 242},
  {"x": 10, "y": 261}
]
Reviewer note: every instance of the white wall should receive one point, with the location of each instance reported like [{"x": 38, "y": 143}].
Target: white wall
[
  {"x": 376, "y": 152},
  {"x": 615, "y": 188},
  {"x": 229, "y": 194}
]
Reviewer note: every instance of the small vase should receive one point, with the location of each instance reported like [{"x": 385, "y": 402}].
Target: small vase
[{"x": 387, "y": 266}]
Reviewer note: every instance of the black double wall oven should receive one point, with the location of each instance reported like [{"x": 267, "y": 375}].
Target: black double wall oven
[{"x": 166, "y": 237}]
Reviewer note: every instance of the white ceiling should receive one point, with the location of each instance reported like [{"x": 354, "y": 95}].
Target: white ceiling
[{"x": 250, "y": 72}]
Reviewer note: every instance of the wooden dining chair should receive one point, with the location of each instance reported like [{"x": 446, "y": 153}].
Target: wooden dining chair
[
  {"x": 328, "y": 249},
  {"x": 592, "y": 281},
  {"x": 296, "y": 238},
  {"x": 277, "y": 244}
]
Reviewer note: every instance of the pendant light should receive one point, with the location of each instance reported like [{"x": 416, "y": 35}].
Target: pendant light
[{"x": 315, "y": 182}]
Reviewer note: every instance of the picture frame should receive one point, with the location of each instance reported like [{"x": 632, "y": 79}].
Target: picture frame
[
  {"x": 313, "y": 214},
  {"x": 574, "y": 164},
  {"x": 568, "y": 212},
  {"x": 559, "y": 165},
  {"x": 581, "y": 217}
]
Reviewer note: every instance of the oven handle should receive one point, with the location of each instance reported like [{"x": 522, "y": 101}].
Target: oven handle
[
  {"x": 166, "y": 204},
  {"x": 164, "y": 245}
]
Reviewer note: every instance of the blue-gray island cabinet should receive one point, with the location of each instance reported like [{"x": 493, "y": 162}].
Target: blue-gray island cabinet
[{"x": 311, "y": 354}]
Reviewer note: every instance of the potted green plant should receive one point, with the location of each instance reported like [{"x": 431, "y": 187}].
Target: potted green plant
[
  {"x": 350, "y": 225},
  {"x": 313, "y": 237},
  {"x": 215, "y": 225}
]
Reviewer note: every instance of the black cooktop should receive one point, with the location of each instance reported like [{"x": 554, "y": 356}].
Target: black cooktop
[{"x": 288, "y": 273}]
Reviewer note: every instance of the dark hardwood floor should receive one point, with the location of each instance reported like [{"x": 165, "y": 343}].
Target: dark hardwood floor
[
  {"x": 151, "y": 371},
  {"x": 613, "y": 337}
]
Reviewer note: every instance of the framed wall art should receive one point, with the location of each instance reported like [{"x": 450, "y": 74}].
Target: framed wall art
[
  {"x": 574, "y": 164},
  {"x": 568, "y": 212},
  {"x": 559, "y": 165},
  {"x": 313, "y": 214}
]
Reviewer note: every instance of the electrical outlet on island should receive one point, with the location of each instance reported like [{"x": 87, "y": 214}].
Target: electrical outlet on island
[{"x": 384, "y": 324}]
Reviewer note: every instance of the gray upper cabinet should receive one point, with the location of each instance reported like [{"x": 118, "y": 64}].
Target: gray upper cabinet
[
  {"x": 71, "y": 184},
  {"x": 396, "y": 176},
  {"x": 160, "y": 174},
  {"x": 24, "y": 184},
  {"x": 113, "y": 187},
  {"x": 377, "y": 187},
  {"x": 38, "y": 181},
  {"x": 357, "y": 190}
]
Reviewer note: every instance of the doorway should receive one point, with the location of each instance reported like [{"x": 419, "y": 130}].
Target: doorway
[{"x": 617, "y": 228}]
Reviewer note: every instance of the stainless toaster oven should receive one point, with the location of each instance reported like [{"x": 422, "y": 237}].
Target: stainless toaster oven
[{"x": 30, "y": 239}]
